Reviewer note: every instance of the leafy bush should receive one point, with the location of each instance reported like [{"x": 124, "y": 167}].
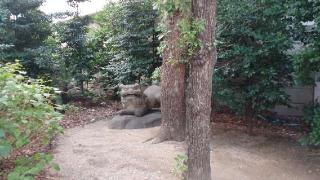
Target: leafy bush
[
  {"x": 26, "y": 114},
  {"x": 126, "y": 41},
  {"x": 69, "y": 108},
  {"x": 312, "y": 117},
  {"x": 306, "y": 61},
  {"x": 156, "y": 75},
  {"x": 253, "y": 67},
  {"x": 180, "y": 167},
  {"x": 23, "y": 28},
  {"x": 79, "y": 55}
]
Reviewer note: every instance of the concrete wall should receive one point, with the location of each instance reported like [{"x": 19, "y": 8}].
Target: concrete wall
[
  {"x": 317, "y": 87},
  {"x": 300, "y": 96}
]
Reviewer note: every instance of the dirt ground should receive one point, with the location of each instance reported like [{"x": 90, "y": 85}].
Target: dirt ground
[{"x": 94, "y": 152}]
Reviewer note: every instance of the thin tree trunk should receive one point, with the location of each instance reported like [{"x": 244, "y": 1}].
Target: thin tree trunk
[
  {"x": 81, "y": 86},
  {"x": 173, "y": 107},
  {"x": 199, "y": 94},
  {"x": 249, "y": 114}
]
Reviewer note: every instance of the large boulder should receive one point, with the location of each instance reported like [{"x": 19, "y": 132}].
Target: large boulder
[
  {"x": 153, "y": 94},
  {"x": 74, "y": 92},
  {"x": 133, "y": 122}
]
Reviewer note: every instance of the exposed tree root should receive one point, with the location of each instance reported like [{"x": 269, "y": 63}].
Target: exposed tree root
[{"x": 164, "y": 135}]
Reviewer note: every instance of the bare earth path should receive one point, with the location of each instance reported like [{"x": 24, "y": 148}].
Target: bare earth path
[{"x": 94, "y": 152}]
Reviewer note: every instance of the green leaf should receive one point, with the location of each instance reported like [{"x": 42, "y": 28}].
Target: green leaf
[
  {"x": 48, "y": 157},
  {"x": 55, "y": 166},
  {"x": 5, "y": 148},
  {"x": 13, "y": 176},
  {"x": 2, "y": 134},
  {"x": 36, "y": 169},
  {"x": 21, "y": 142}
]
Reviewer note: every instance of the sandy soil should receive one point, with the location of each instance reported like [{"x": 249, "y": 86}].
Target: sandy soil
[{"x": 94, "y": 152}]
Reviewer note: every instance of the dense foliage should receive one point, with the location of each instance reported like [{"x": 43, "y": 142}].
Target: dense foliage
[
  {"x": 156, "y": 75},
  {"x": 122, "y": 43},
  {"x": 23, "y": 28},
  {"x": 126, "y": 40},
  {"x": 253, "y": 66},
  {"x": 312, "y": 117},
  {"x": 66, "y": 55},
  {"x": 307, "y": 31},
  {"x": 51, "y": 59},
  {"x": 119, "y": 45},
  {"x": 27, "y": 115},
  {"x": 189, "y": 28},
  {"x": 77, "y": 54},
  {"x": 306, "y": 61}
]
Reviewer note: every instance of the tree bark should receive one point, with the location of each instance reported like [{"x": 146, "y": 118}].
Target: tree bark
[
  {"x": 199, "y": 93},
  {"x": 249, "y": 116},
  {"x": 173, "y": 108}
]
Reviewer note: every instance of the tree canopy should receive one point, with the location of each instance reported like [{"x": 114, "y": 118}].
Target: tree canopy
[
  {"x": 307, "y": 30},
  {"x": 24, "y": 28},
  {"x": 127, "y": 40},
  {"x": 253, "y": 64}
]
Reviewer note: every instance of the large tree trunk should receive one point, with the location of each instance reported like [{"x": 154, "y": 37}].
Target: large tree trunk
[
  {"x": 199, "y": 94},
  {"x": 173, "y": 107}
]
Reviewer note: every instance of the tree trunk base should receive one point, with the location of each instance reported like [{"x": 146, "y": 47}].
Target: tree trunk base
[
  {"x": 159, "y": 139},
  {"x": 164, "y": 135}
]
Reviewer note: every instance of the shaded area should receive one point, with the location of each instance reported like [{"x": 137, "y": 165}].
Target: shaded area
[
  {"x": 151, "y": 119},
  {"x": 96, "y": 152},
  {"x": 88, "y": 113}
]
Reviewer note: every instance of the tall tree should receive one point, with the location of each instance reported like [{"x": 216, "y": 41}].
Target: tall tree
[
  {"x": 137, "y": 42},
  {"x": 199, "y": 92},
  {"x": 3, "y": 35},
  {"x": 173, "y": 105},
  {"x": 75, "y": 4},
  {"x": 127, "y": 40},
  {"x": 307, "y": 30},
  {"x": 78, "y": 60},
  {"x": 173, "y": 70},
  {"x": 253, "y": 65},
  {"x": 26, "y": 27},
  {"x": 76, "y": 52}
]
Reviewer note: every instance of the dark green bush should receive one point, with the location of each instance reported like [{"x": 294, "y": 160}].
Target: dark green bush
[
  {"x": 312, "y": 117},
  {"x": 126, "y": 41},
  {"x": 253, "y": 67}
]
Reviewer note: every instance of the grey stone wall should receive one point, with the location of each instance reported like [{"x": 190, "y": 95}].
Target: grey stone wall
[{"x": 300, "y": 96}]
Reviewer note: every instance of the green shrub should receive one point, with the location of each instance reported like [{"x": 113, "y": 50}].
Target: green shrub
[
  {"x": 252, "y": 65},
  {"x": 180, "y": 167},
  {"x": 26, "y": 114},
  {"x": 69, "y": 108},
  {"x": 126, "y": 41},
  {"x": 312, "y": 117},
  {"x": 156, "y": 75}
]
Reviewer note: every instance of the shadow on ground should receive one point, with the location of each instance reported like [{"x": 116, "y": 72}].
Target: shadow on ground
[{"x": 94, "y": 152}]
